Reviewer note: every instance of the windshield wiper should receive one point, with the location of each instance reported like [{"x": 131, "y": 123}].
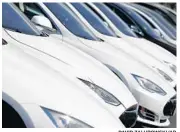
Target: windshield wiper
[
  {"x": 101, "y": 39},
  {"x": 43, "y": 34}
]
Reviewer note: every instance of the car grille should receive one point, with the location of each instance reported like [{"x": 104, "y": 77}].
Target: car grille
[
  {"x": 129, "y": 117},
  {"x": 146, "y": 114},
  {"x": 170, "y": 107}
]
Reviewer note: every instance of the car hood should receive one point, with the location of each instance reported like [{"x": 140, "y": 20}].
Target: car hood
[
  {"x": 65, "y": 58},
  {"x": 148, "y": 47},
  {"x": 109, "y": 55},
  {"x": 142, "y": 56},
  {"x": 28, "y": 81}
]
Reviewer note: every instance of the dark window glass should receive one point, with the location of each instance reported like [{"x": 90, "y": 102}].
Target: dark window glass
[
  {"x": 161, "y": 12},
  {"x": 163, "y": 24},
  {"x": 122, "y": 15},
  {"x": 119, "y": 23},
  {"x": 173, "y": 16},
  {"x": 147, "y": 20},
  {"x": 135, "y": 18},
  {"x": 165, "y": 16},
  {"x": 160, "y": 21},
  {"x": 70, "y": 20},
  {"x": 13, "y": 19},
  {"x": 31, "y": 10},
  {"x": 93, "y": 19}
]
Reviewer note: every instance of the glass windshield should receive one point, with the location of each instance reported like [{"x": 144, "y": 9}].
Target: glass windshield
[
  {"x": 147, "y": 27},
  {"x": 173, "y": 16},
  {"x": 166, "y": 17},
  {"x": 161, "y": 22},
  {"x": 70, "y": 20},
  {"x": 131, "y": 17},
  {"x": 93, "y": 19},
  {"x": 14, "y": 20},
  {"x": 117, "y": 21},
  {"x": 161, "y": 12}
]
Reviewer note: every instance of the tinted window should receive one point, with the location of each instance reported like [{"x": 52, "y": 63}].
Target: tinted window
[
  {"x": 93, "y": 19},
  {"x": 160, "y": 12},
  {"x": 33, "y": 9},
  {"x": 165, "y": 16},
  {"x": 122, "y": 9},
  {"x": 163, "y": 24},
  {"x": 159, "y": 20},
  {"x": 14, "y": 20},
  {"x": 173, "y": 16},
  {"x": 119, "y": 23},
  {"x": 70, "y": 20},
  {"x": 122, "y": 15}
]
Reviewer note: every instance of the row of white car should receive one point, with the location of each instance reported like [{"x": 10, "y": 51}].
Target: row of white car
[{"x": 61, "y": 71}]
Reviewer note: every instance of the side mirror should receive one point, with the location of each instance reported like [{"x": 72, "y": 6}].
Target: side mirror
[
  {"x": 136, "y": 30},
  {"x": 41, "y": 21}
]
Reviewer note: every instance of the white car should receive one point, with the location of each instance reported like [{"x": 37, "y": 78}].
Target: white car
[
  {"x": 34, "y": 95},
  {"x": 66, "y": 59},
  {"x": 122, "y": 30},
  {"x": 156, "y": 63},
  {"x": 159, "y": 27},
  {"x": 144, "y": 83}
]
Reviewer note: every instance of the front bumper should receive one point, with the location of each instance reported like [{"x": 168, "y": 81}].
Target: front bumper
[
  {"x": 147, "y": 123},
  {"x": 158, "y": 109},
  {"x": 148, "y": 117}
]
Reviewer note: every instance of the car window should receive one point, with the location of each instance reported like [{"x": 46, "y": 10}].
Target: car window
[
  {"x": 137, "y": 19},
  {"x": 161, "y": 22},
  {"x": 166, "y": 17},
  {"x": 146, "y": 20},
  {"x": 122, "y": 15},
  {"x": 93, "y": 19},
  {"x": 70, "y": 20},
  {"x": 165, "y": 26},
  {"x": 14, "y": 20},
  {"x": 161, "y": 12},
  {"x": 173, "y": 16},
  {"x": 119, "y": 23},
  {"x": 32, "y": 9}
]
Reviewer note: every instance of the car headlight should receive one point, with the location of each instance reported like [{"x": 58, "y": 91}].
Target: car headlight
[
  {"x": 105, "y": 95},
  {"x": 171, "y": 66},
  {"x": 149, "y": 85},
  {"x": 162, "y": 73},
  {"x": 166, "y": 76},
  {"x": 61, "y": 120}
]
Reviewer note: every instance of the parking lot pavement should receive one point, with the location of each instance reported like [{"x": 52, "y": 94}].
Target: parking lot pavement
[{"x": 173, "y": 122}]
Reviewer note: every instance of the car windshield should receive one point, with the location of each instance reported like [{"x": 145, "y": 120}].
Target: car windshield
[
  {"x": 173, "y": 16},
  {"x": 13, "y": 19},
  {"x": 161, "y": 12},
  {"x": 66, "y": 16},
  {"x": 135, "y": 17},
  {"x": 166, "y": 17},
  {"x": 161, "y": 22},
  {"x": 117, "y": 21},
  {"x": 93, "y": 19}
]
